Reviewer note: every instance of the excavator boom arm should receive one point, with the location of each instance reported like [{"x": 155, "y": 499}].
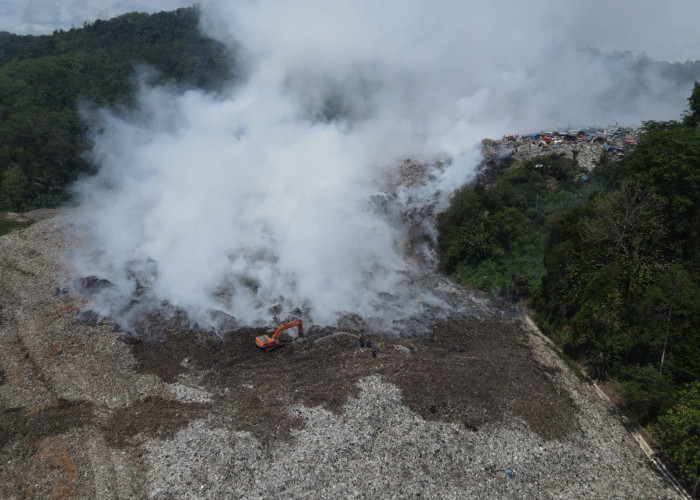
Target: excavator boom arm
[
  {"x": 268, "y": 341},
  {"x": 292, "y": 324}
]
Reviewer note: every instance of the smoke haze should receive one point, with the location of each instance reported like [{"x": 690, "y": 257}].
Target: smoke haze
[
  {"x": 661, "y": 30},
  {"x": 263, "y": 199},
  {"x": 38, "y": 17}
]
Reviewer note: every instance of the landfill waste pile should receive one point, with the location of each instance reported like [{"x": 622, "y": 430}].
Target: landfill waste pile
[
  {"x": 479, "y": 408},
  {"x": 583, "y": 145}
]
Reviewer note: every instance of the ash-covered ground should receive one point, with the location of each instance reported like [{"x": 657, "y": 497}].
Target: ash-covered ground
[{"x": 477, "y": 408}]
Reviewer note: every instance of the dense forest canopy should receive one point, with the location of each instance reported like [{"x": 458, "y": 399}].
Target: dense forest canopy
[{"x": 45, "y": 79}]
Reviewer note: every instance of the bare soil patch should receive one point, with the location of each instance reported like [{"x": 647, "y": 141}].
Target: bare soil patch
[{"x": 470, "y": 373}]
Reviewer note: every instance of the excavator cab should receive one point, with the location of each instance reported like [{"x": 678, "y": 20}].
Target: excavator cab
[{"x": 270, "y": 341}]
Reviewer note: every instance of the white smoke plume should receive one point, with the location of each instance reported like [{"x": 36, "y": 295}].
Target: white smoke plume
[{"x": 262, "y": 199}]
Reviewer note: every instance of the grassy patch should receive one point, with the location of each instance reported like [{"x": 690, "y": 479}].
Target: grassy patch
[{"x": 8, "y": 225}]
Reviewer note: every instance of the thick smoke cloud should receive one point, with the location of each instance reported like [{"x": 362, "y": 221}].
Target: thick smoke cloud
[{"x": 263, "y": 198}]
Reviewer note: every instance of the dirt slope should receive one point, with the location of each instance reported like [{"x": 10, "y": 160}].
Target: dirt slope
[{"x": 477, "y": 410}]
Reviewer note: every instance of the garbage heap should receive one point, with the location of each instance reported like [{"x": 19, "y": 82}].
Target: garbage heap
[{"x": 585, "y": 145}]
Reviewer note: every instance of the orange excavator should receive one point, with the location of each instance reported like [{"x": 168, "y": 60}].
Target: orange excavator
[{"x": 270, "y": 341}]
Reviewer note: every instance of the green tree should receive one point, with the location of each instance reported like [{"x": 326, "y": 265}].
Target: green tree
[
  {"x": 627, "y": 227},
  {"x": 569, "y": 266},
  {"x": 692, "y": 117},
  {"x": 678, "y": 431},
  {"x": 647, "y": 392},
  {"x": 667, "y": 162},
  {"x": 597, "y": 327},
  {"x": 667, "y": 317},
  {"x": 13, "y": 188}
]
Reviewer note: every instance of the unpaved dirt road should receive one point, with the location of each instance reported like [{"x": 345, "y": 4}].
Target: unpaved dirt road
[{"x": 477, "y": 409}]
